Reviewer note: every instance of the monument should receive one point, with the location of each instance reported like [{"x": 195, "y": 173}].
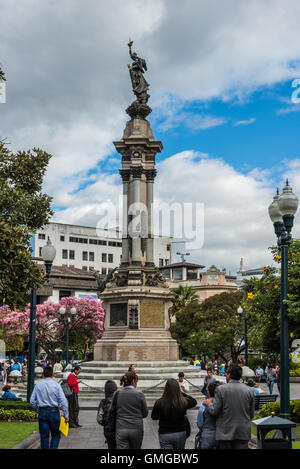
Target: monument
[{"x": 135, "y": 297}]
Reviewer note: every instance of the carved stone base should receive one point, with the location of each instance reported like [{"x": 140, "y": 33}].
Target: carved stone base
[{"x": 138, "y": 110}]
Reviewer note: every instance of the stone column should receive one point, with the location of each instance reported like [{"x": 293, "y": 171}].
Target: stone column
[
  {"x": 125, "y": 174},
  {"x": 136, "y": 255},
  {"x": 150, "y": 175}
]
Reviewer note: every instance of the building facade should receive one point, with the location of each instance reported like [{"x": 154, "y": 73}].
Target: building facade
[
  {"x": 90, "y": 248},
  {"x": 205, "y": 283}
]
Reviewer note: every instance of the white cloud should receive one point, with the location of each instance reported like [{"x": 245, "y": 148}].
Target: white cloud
[{"x": 246, "y": 121}]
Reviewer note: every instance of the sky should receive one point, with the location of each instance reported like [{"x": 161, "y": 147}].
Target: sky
[{"x": 224, "y": 93}]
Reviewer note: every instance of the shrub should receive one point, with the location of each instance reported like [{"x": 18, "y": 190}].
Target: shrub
[
  {"x": 11, "y": 404},
  {"x": 295, "y": 372},
  {"x": 267, "y": 410},
  {"x": 254, "y": 362},
  {"x": 7, "y": 415}
]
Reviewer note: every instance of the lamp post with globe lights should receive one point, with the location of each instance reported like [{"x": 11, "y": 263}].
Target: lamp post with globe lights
[
  {"x": 66, "y": 319},
  {"x": 282, "y": 211},
  {"x": 240, "y": 316},
  {"x": 48, "y": 253}
]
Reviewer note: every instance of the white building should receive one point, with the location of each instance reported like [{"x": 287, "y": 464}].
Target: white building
[{"x": 89, "y": 248}]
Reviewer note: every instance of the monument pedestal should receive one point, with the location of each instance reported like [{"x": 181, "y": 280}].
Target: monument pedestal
[{"x": 136, "y": 324}]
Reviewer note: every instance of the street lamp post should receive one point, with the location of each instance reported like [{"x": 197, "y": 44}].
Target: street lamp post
[
  {"x": 48, "y": 254},
  {"x": 67, "y": 320},
  {"x": 240, "y": 312},
  {"x": 282, "y": 211}
]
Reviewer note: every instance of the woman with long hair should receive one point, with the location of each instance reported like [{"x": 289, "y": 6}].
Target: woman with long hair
[
  {"x": 103, "y": 411},
  {"x": 131, "y": 409},
  {"x": 170, "y": 411}
]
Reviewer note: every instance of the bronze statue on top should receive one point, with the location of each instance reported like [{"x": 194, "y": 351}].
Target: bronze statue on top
[{"x": 139, "y": 108}]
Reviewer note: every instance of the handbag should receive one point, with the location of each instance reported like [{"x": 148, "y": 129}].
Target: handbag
[
  {"x": 66, "y": 388},
  {"x": 187, "y": 426},
  {"x": 110, "y": 425}
]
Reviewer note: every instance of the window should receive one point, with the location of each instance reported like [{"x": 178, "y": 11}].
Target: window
[
  {"x": 110, "y": 258},
  {"x": 100, "y": 242},
  {"x": 166, "y": 273},
  {"x": 168, "y": 247},
  {"x": 167, "y": 261},
  {"x": 91, "y": 256},
  {"x": 42, "y": 236},
  {"x": 104, "y": 257},
  {"x": 84, "y": 256},
  {"x": 64, "y": 294},
  {"x": 73, "y": 239},
  {"x": 40, "y": 252},
  {"x": 64, "y": 254},
  {"x": 191, "y": 274},
  {"x": 119, "y": 245},
  {"x": 72, "y": 255},
  {"x": 62, "y": 237},
  {"x": 161, "y": 262},
  {"x": 112, "y": 243},
  {"x": 177, "y": 274}
]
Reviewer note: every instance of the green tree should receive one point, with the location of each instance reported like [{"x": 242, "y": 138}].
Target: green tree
[
  {"x": 23, "y": 209},
  {"x": 184, "y": 296},
  {"x": 211, "y": 328},
  {"x": 262, "y": 304}
]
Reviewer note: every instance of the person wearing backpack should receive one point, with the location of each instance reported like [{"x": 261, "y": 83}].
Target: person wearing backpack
[{"x": 103, "y": 411}]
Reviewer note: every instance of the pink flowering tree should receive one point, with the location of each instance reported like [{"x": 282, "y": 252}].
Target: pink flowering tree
[{"x": 50, "y": 331}]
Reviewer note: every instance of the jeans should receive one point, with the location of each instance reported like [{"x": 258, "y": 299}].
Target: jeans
[
  {"x": 271, "y": 381},
  {"x": 49, "y": 421},
  {"x": 172, "y": 440}
]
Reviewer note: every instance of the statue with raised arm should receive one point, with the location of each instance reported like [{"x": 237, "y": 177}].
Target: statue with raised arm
[
  {"x": 136, "y": 71},
  {"x": 139, "y": 108}
]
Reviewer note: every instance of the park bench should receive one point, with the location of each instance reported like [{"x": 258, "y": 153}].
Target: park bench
[{"x": 263, "y": 399}]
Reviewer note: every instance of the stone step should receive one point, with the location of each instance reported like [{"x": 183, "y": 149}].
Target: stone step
[
  {"x": 158, "y": 364},
  {"x": 141, "y": 370}
]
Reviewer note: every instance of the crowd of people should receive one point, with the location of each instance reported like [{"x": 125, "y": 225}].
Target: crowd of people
[{"x": 223, "y": 419}]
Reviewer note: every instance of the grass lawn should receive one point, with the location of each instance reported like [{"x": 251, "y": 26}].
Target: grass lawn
[
  {"x": 296, "y": 444},
  {"x": 12, "y": 433}
]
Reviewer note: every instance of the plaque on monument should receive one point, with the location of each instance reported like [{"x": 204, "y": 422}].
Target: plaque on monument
[
  {"x": 118, "y": 314},
  {"x": 152, "y": 314}
]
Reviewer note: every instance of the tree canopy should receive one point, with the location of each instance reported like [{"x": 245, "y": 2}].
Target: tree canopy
[{"x": 23, "y": 209}]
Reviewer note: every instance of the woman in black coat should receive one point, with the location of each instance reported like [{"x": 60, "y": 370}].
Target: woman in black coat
[
  {"x": 170, "y": 410},
  {"x": 103, "y": 410}
]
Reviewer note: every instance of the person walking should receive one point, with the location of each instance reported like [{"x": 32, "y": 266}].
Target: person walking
[
  {"x": 47, "y": 398},
  {"x": 207, "y": 423},
  {"x": 132, "y": 368},
  {"x": 170, "y": 411},
  {"x": 73, "y": 399},
  {"x": 270, "y": 377},
  {"x": 233, "y": 407},
  {"x": 131, "y": 409},
  {"x": 103, "y": 411}
]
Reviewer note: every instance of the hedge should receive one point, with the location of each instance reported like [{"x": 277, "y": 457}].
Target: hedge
[
  {"x": 17, "y": 414},
  {"x": 11, "y": 404},
  {"x": 267, "y": 410}
]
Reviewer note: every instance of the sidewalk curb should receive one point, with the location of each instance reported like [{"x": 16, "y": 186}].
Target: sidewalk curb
[{"x": 28, "y": 442}]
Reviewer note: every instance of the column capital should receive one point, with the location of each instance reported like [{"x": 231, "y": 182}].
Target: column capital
[
  {"x": 150, "y": 174},
  {"x": 136, "y": 172},
  {"x": 125, "y": 174}
]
